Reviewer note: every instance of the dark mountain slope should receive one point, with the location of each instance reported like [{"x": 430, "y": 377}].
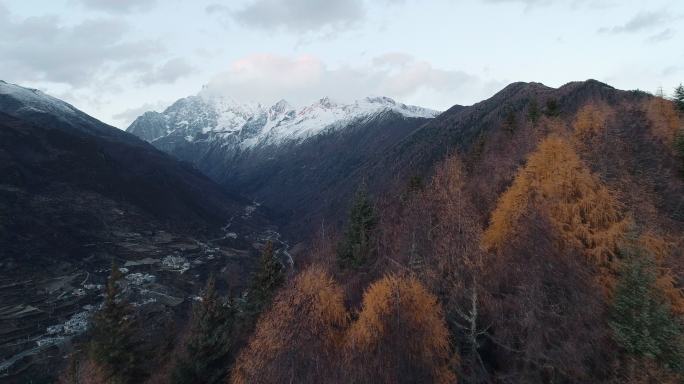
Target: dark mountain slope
[
  {"x": 305, "y": 181},
  {"x": 501, "y": 125},
  {"x": 65, "y": 167},
  {"x": 463, "y": 128},
  {"x": 77, "y": 194},
  {"x": 633, "y": 154},
  {"x": 55, "y": 147},
  {"x": 270, "y": 157}
]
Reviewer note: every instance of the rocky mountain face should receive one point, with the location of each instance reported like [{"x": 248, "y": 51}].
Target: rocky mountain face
[
  {"x": 77, "y": 195},
  {"x": 302, "y": 163}
]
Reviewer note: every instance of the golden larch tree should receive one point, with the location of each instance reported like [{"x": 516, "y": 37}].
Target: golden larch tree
[
  {"x": 400, "y": 335},
  {"x": 664, "y": 119},
  {"x": 455, "y": 232},
  {"x": 583, "y": 211},
  {"x": 297, "y": 339},
  {"x": 591, "y": 121}
]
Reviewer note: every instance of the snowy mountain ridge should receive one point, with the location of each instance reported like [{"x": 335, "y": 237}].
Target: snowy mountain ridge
[
  {"x": 246, "y": 125},
  {"x": 34, "y": 100},
  {"x": 39, "y": 107}
]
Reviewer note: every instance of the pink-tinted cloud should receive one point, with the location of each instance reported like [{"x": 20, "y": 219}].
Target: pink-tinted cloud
[{"x": 301, "y": 79}]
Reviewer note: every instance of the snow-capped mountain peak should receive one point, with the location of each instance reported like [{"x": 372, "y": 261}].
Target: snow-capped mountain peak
[
  {"x": 326, "y": 103},
  {"x": 281, "y": 106},
  {"x": 406, "y": 110},
  {"x": 247, "y": 125}
]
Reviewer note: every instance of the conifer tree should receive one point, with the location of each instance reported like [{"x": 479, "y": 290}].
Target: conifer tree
[
  {"x": 415, "y": 184},
  {"x": 510, "y": 122},
  {"x": 207, "y": 350},
  {"x": 581, "y": 208},
  {"x": 400, "y": 335},
  {"x": 112, "y": 347},
  {"x": 679, "y": 97},
  {"x": 679, "y": 144},
  {"x": 297, "y": 339},
  {"x": 266, "y": 281},
  {"x": 552, "y": 108},
  {"x": 665, "y": 119},
  {"x": 591, "y": 121},
  {"x": 666, "y": 279},
  {"x": 533, "y": 111},
  {"x": 640, "y": 316},
  {"x": 357, "y": 245}
]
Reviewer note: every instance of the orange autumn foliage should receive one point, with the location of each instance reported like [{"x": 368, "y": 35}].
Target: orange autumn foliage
[
  {"x": 664, "y": 119},
  {"x": 400, "y": 335},
  {"x": 591, "y": 121},
  {"x": 583, "y": 211},
  {"x": 456, "y": 231},
  {"x": 666, "y": 280},
  {"x": 305, "y": 337},
  {"x": 297, "y": 338}
]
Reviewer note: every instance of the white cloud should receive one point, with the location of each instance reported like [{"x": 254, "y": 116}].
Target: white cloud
[
  {"x": 393, "y": 59},
  {"x": 527, "y": 2},
  {"x": 107, "y": 56},
  {"x": 640, "y": 22},
  {"x": 118, "y": 6},
  {"x": 297, "y": 16},
  {"x": 267, "y": 78},
  {"x": 126, "y": 117},
  {"x": 168, "y": 72},
  {"x": 664, "y": 35},
  {"x": 43, "y": 48},
  {"x": 572, "y": 3}
]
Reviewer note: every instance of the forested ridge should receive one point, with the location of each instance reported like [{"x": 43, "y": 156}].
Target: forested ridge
[{"x": 546, "y": 247}]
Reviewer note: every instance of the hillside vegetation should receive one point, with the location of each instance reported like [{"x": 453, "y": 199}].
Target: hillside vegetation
[{"x": 536, "y": 237}]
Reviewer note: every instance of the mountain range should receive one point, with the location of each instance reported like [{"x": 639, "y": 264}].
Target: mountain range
[
  {"x": 305, "y": 164},
  {"x": 296, "y": 161}
]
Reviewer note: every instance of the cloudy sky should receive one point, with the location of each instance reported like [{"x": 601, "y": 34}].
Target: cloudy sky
[{"x": 115, "y": 59}]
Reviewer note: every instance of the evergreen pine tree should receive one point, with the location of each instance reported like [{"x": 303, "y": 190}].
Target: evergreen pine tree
[
  {"x": 415, "y": 185},
  {"x": 207, "y": 353},
  {"x": 510, "y": 122},
  {"x": 533, "y": 111},
  {"x": 641, "y": 320},
  {"x": 356, "y": 246},
  {"x": 552, "y": 108},
  {"x": 679, "y": 143},
  {"x": 112, "y": 347},
  {"x": 679, "y": 97},
  {"x": 266, "y": 281},
  {"x": 679, "y": 102}
]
